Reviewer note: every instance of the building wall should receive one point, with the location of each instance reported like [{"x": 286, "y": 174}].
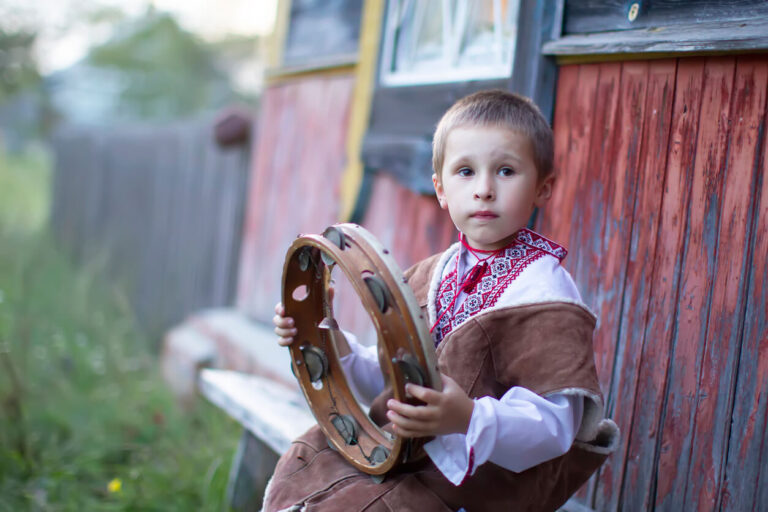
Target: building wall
[
  {"x": 663, "y": 202},
  {"x": 297, "y": 166}
]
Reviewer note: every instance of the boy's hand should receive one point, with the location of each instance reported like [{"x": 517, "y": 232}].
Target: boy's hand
[
  {"x": 445, "y": 412},
  {"x": 283, "y": 326}
]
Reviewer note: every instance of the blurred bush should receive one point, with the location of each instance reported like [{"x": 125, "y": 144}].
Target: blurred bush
[{"x": 87, "y": 423}]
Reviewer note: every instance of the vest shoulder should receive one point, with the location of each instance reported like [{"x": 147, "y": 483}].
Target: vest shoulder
[
  {"x": 419, "y": 275},
  {"x": 543, "y": 281},
  {"x": 564, "y": 312}
]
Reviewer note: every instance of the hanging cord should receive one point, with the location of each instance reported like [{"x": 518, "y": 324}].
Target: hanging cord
[{"x": 478, "y": 269}]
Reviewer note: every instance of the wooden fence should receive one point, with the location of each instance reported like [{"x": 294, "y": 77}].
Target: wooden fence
[{"x": 160, "y": 209}]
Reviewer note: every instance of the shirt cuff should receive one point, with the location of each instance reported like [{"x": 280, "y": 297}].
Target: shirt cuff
[
  {"x": 517, "y": 432},
  {"x": 458, "y": 455}
]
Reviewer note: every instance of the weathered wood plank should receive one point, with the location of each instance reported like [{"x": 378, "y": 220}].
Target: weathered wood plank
[
  {"x": 604, "y": 15},
  {"x": 719, "y": 36},
  {"x": 675, "y": 469},
  {"x": 618, "y": 215},
  {"x": 586, "y": 257},
  {"x": 613, "y": 342},
  {"x": 580, "y": 175},
  {"x": 746, "y": 478},
  {"x": 639, "y": 478},
  {"x": 550, "y": 219},
  {"x": 725, "y": 325},
  {"x": 275, "y": 414},
  {"x": 554, "y": 223},
  {"x": 757, "y": 334},
  {"x": 637, "y": 294},
  {"x": 155, "y": 257},
  {"x": 295, "y": 180},
  {"x": 591, "y": 250},
  {"x": 229, "y": 222}
]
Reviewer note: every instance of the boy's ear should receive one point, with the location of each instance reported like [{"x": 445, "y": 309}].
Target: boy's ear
[
  {"x": 439, "y": 191},
  {"x": 544, "y": 190}
]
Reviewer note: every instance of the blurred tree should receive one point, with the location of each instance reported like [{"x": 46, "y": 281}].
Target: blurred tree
[
  {"x": 18, "y": 67},
  {"x": 23, "y": 103},
  {"x": 165, "y": 71}
]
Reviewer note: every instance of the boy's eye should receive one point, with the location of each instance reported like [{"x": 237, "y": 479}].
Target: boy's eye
[
  {"x": 506, "y": 171},
  {"x": 465, "y": 171}
]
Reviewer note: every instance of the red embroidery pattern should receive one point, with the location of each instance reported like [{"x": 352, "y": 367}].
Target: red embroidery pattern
[
  {"x": 527, "y": 248},
  {"x": 470, "y": 466}
]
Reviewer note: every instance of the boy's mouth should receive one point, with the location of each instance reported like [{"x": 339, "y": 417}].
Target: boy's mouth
[{"x": 484, "y": 214}]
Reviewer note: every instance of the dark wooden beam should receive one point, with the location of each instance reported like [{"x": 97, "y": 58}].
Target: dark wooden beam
[
  {"x": 585, "y": 16},
  {"x": 713, "y": 37}
]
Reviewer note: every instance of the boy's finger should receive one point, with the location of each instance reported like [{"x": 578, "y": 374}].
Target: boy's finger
[
  {"x": 284, "y": 342},
  {"x": 402, "y": 432},
  {"x": 279, "y": 309},
  {"x": 410, "y": 424},
  {"x": 411, "y": 431},
  {"x": 418, "y": 412},
  {"x": 285, "y": 333},
  {"x": 427, "y": 395},
  {"x": 282, "y": 321}
]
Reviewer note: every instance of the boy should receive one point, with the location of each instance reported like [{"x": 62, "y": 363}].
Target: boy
[{"x": 518, "y": 424}]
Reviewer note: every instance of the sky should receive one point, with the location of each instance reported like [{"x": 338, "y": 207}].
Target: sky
[{"x": 65, "y": 37}]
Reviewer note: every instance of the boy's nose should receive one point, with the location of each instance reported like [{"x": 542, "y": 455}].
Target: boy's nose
[{"x": 484, "y": 189}]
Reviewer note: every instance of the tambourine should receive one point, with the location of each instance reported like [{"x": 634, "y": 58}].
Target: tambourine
[{"x": 406, "y": 350}]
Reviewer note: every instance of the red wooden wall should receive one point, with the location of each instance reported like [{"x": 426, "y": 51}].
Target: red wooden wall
[
  {"x": 412, "y": 226},
  {"x": 298, "y": 161},
  {"x": 663, "y": 202}
]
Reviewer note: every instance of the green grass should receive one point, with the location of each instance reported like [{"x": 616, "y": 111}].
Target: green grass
[{"x": 82, "y": 403}]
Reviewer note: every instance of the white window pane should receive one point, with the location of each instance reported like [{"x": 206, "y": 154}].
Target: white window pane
[
  {"x": 429, "y": 41},
  {"x": 490, "y": 35},
  {"x": 420, "y": 38}
]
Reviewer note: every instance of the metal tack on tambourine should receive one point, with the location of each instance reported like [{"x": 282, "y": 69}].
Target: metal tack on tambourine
[{"x": 408, "y": 354}]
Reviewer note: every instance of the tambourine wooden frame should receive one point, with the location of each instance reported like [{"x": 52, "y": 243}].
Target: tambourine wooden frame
[{"x": 403, "y": 338}]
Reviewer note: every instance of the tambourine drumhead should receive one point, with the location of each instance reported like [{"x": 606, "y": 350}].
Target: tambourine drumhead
[{"x": 406, "y": 349}]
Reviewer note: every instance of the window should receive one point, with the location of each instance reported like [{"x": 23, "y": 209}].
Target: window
[
  {"x": 433, "y": 41},
  {"x": 322, "y": 33}
]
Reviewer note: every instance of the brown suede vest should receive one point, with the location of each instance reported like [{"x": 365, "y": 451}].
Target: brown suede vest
[{"x": 544, "y": 347}]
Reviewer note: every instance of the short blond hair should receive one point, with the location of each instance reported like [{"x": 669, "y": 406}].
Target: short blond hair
[{"x": 497, "y": 108}]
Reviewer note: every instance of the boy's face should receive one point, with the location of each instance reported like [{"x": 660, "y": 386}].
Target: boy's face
[{"x": 489, "y": 184}]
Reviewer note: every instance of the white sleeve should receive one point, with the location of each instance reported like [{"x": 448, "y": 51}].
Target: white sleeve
[
  {"x": 361, "y": 366},
  {"x": 517, "y": 432}
]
